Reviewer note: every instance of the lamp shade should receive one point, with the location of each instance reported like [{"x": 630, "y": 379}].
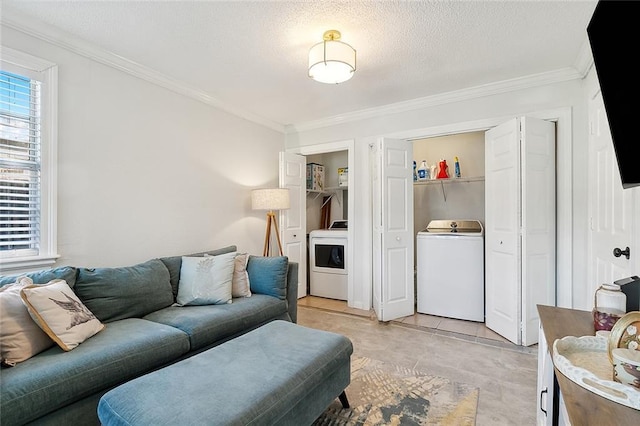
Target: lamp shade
[
  {"x": 270, "y": 199},
  {"x": 332, "y": 61}
]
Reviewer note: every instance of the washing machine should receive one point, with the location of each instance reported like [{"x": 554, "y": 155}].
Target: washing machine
[
  {"x": 328, "y": 261},
  {"x": 450, "y": 269}
]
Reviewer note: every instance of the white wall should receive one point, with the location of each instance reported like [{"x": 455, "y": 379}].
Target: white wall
[
  {"x": 145, "y": 172},
  {"x": 451, "y": 118}
]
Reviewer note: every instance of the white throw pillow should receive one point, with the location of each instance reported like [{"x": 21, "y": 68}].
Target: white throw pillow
[
  {"x": 21, "y": 337},
  {"x": 59, "y": 312},
  {"x": 240, "y": 286},
  {"x": 206, "y": 280}
]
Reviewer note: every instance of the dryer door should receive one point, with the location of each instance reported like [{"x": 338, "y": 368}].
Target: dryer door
[{"x": 328, "y": 255}]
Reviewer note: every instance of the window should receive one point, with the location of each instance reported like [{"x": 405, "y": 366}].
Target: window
[
  {"x": 27, "y": 161},
  {"x": 19, "y": 164}
]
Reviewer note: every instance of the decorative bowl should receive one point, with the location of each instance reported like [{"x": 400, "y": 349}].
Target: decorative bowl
[
  {"x": 626, "y": 366},
  {"x": 583, "y": 360}
]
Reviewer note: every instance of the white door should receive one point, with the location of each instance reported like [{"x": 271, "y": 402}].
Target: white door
[
  {"x": 611, "y": 207},
  {"x": 293, "y": 222},
  {"x": 519, "y": 226},
  {"x": 538, "y": 221},
  {"x": 392, "y": 195},
  {"x": 502, "y": 230}
]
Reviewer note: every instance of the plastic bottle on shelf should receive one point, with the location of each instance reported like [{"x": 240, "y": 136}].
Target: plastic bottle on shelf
[
  {"x": 433, "y": 172},
  {"x": 423, "y": 171},
  {"x": 456, "y": 167},
  {"x": 443, "y": 169},
  {"x": 415, "y": 174}
]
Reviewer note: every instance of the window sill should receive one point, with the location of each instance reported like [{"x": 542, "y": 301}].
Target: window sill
[{"x": 31, "y": 263}]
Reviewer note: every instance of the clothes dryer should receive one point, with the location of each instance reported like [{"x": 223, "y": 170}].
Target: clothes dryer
[{"x": 328, "y": 273}]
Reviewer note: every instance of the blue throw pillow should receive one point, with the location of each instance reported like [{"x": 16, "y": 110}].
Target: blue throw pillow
[
  {"x": 67, "y": 273},
  {"x": 268, "y": 275}
]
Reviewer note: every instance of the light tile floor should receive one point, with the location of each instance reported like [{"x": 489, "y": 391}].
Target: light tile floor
[
  {"x": 469, "y": 330},
  {"x": 505, "y": 373}
]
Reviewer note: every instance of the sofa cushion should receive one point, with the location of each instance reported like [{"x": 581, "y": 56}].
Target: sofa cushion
[
  {"x": 122, "y": 351},
  {"x": 126, "y": 292},
  {"x": 268, "y": 275},
  {"x": 240, "y": 286},
  {"x": 206, "y": 280},
  {"x": 210, "y": 324},
  {"x": 174, "y": 263},
  {"x": 59, "y": 312},
  {"x": 67, "y": 273},
  {"x": 21, "y": 337}
]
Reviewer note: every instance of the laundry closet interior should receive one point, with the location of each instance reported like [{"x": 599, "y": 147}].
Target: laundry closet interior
[
  {"x": 449, "y": 217},
  {"x": 327, "y": 221}
]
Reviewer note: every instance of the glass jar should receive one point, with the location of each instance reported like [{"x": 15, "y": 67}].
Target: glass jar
[{"x": 610, "y": 304}]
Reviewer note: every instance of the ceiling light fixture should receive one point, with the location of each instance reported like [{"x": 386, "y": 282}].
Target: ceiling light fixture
[{"x": 332, "y": 61}]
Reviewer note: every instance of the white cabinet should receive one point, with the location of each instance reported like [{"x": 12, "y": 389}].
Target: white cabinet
[
  {"x": 547, "y": 388},
  {"x": 544, "y": 407}
]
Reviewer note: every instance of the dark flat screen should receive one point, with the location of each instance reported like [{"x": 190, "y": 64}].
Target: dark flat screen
[{"x": 614, "y": 37}]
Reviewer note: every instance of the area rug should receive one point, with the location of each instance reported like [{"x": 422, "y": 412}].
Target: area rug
[{"x": 386, "y": 394}]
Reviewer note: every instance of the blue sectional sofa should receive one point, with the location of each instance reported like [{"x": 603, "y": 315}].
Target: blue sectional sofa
[{"x": 144, "y": 331}]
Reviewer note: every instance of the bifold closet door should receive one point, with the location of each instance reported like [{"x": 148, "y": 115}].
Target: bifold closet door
[{"x": 519, "y": 226}]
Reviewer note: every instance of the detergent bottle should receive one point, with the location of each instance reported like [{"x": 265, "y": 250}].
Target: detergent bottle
[
  {"x": 423, "y": 171},
  {"x": 443, "y": 169},
  {"x": 456, "y": 167},
  {"x": 415, "y": 173}
]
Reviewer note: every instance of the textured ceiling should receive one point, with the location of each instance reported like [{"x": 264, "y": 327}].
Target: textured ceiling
[{"x": 252, "y": 55}]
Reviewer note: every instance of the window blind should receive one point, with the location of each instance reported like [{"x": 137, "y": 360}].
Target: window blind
[{"x": 20, "y": 164}]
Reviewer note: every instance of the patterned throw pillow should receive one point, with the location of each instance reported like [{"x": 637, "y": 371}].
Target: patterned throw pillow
[
  {"x": 240, "y": 284},
  {"x": 60, "y": 314},
  {"x": 20, "y": 336},
  {"x": 206, "y": 280}
]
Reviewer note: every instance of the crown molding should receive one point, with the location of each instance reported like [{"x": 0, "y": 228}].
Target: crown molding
[
  {"x": 490, "y": 89},
  {"x": 584, "y": 61},
  {"x": 55, "y": 36},
  {"x": 19, "y": 22}
]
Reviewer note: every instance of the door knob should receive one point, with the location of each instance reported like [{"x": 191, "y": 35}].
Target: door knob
[
  {"x": 626, "y": 252},
  {"x": 397, "y": 238}
]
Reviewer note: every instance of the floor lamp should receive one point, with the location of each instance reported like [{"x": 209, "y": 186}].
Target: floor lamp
[{"x": 270, "y": 199}]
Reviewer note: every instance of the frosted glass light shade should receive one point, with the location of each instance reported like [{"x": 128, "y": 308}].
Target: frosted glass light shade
[
  {"x": 270, "y": 199},
  {"x": 332, "y": 62}
]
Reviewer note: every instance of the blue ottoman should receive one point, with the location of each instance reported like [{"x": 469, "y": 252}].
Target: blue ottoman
[{"x": 280, "y": 373}]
